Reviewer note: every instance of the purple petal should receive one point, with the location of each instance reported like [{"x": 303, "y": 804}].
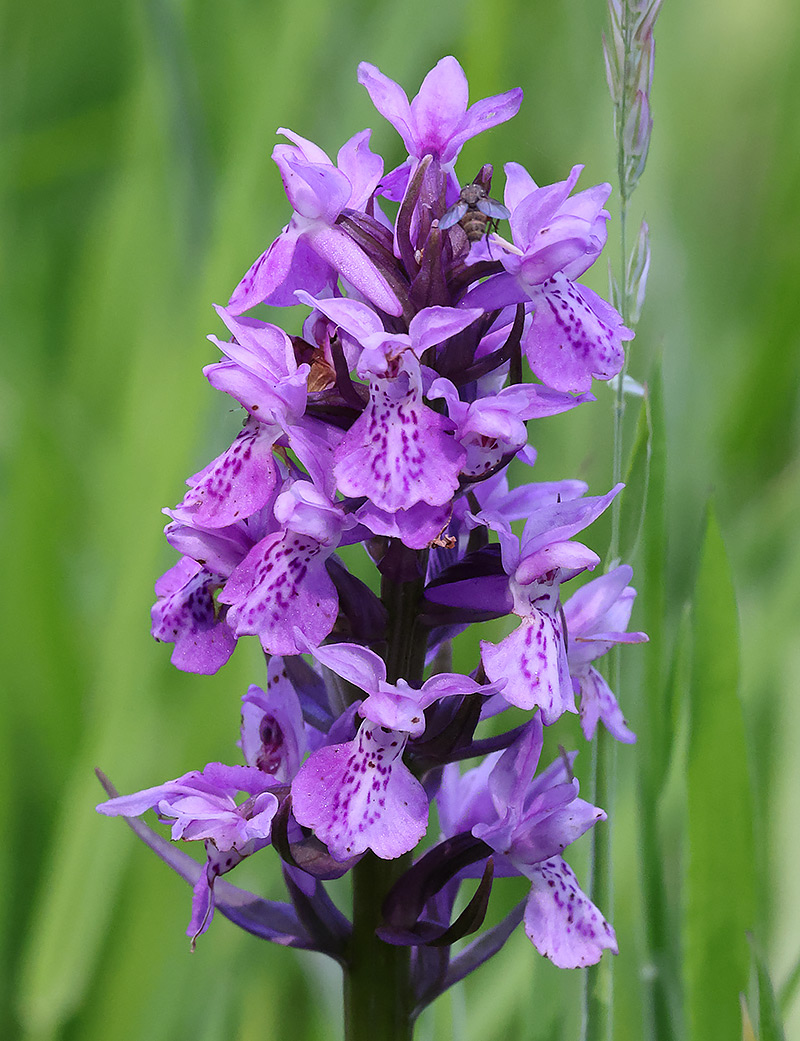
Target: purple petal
[
  {"x": 282, "y": 583},
  {"x": 598, "y": 703},
  {"x": 561, "y": 921},
  {"x": 316, "y": 191},
  {"x": 534, "y": 211},
  {"x": 484, "y": 114},
  {"x": 391, "y": 101},
  {"x": 586, "y": 608},
  {"x": 273, "y": 736},
  {"x": 560, "y": 521},
  {"x": 534, "y": 662},
  {"x": 358, "y": 665},
  {"x": 306, "y": 150},
  {"x": 264, "y": 401},
  {"x": 499, "y": 291},
  {"x": 262, "y": 348},
  {"x": 434, "y": 325},
  {"x": 265, "y": 274},
  {"x": 336, "y": 248},
  {"x": 514, "y": 771},
  {"x": 188, "y": 617},
  {"x": 399, "y": 452},
  {"x": 354, "y": 317},
  {"x": 362, "y": 167},
  {"x": 439, "y": 108},
  {"x": 568, "y": 341},
  {"x": 572, "y": 556},
  {"x": 555, "y": 819},
  {"x": 218, "y": 550},
  {"x": 416, "y": 527},
  {"x": 519, "y": 184},
  {"x": 360, "y": 795},
  {"x": 235, "y": 485}
]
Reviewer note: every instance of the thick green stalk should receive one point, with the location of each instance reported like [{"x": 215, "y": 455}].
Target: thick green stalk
[
  {"x": 377, "y": 990},
  {"x": 377, "y": 996}
]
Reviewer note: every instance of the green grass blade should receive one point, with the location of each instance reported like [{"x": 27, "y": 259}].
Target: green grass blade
[
  {"x": 770, "y": 1022},
  {"x": 720, "y": 883}
]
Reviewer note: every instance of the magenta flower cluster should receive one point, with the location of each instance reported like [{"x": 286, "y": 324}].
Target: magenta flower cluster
[{"x": 389, "y": 422}]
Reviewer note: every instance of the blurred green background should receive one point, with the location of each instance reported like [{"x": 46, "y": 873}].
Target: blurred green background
[{"x": 136, "y": 187}]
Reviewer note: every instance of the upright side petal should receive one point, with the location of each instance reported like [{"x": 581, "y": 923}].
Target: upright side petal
[
  {"x": 483, "y": 115},
  {"x": 391, "y": 101}
]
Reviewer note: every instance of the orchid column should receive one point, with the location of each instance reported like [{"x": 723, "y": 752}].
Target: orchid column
[{"x": 389, "y": 421}]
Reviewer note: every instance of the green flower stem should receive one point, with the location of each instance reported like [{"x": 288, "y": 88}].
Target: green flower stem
[{"x": 377, "y": 991}]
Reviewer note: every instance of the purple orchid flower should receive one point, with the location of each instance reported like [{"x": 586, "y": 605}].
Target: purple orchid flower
[
  {"x": 283, "y": 583},
  {"x": 399, "y": 453},
  {"x": 534, "y": 657},
  {"x": 370, "y": 799},
  {"x": 574, "y": 335},
  {"x": 437, "y": 122},
  {"x": 390, "y": 421},
  {"x": 529, "y": 821},
  {"x": 203, "y": 806},
  {"x": 492, "y": 428},
  {"x": 313, "y": 249},
  {"x": 597, "y": 616}
]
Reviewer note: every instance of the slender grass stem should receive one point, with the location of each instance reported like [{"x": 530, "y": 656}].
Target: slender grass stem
[{"x": 598, "y": 996}]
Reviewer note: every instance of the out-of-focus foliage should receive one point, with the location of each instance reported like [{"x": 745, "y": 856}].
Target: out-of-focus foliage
[{"x": 136, "y": 187}]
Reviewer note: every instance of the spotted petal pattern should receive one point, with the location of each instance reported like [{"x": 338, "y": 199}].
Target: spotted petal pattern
[
  {"x": 399, "y": 452},
  {"x": 185, "y": 614},
  {"x": 360, "y": 795},
  {"x": 574, "y": 335},
  {"x": 533, "y": 658},
  {"x": 236, "y": 484},
  {"x": 282, "y": 583},
  {"x": 561, "y": 921}
]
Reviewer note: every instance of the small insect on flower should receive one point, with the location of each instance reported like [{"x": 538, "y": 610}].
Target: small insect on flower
[{"x": 475, "y": 212}]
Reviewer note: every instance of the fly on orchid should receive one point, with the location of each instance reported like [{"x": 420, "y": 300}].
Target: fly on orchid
[{"x": 475, "y": 211}]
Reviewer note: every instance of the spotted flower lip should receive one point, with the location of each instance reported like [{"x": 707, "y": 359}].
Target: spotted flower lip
[
  {"x": 185, "y": 614},
  {"x": 529, "y": 820},
  {"x": 283, "y": 583},
  {"x": 360, "y": 795}
]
